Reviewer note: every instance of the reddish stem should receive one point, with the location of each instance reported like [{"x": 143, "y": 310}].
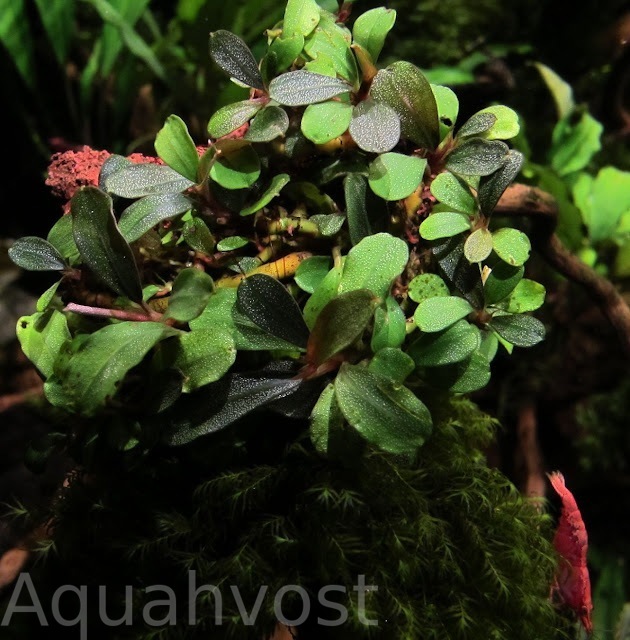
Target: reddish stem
[{"x": 118, "y": 314}]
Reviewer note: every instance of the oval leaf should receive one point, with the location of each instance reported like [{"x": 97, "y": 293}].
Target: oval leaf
[
  {"x": 232, "y": 116},
  {"x": 527, "y": 296},
  {"x": 102, "y": 246},
  {"x": 427, "y": 285},
  {"x": 501, "y": 281},
  {"x": 447, "y": 347},
  {"x": 138, "y": 180},
  {"x": 464, "y": 377},
  {"x": 282, "y": 52},
  {"x": 325, "y": 291},
  {"x": 375, "y": 127},
  {"x": 191, "y": 291},
  {"x": 198, "y": 236},
  {"x": 145, "y": 213},
  {"x": 175, "y": 146},
  {"x": 453, "y": 192},
  {"x": 491, "y": 188},
  {"x": 269, "y": 124},
  {"x": 506, "y": 125},
  {"x": 394, "y": 176},
  {"x": 477, "y": 157},
  {"x": 297, "y": 88},
  {"x": 232, "y": 243},
  {"x": 60, "y": 236},
  {"x": 236, "y": 168},
  {"x": 436, "y": 314},
  {"x": 371, "y": 28},
  {"x": 300, "y": 17},
  {"x": 444, "y": 224},
  {"x": 512, "y": 246},
  {"x": 311, "y": 272},
  {"x": 393, "y": 364},
  {"x": 325, "y": 121},
  {"x": 235, "y": 58},
  {"x": 477, "y": 124},
  {"x": 36, "y": 254},
  {"x": 478, "y": 245},
  {"x": 390, "y": 326},
  {"x": 385, "y": 413},
  {"x": 447, "y": 108},
  {"x": 274, "y": 189},
  {"x": 521, "y": 331}
]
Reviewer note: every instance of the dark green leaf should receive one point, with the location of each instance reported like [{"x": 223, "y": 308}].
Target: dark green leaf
[
  {"x": 512, "y": 246},
  {"x": 477, "y": 124},
  {"x": 355, "y": 189},
  {"x": 390, "y": 326},
  {"x": 501, "y": 281},
  {"x": 297, "y": 88},
  {"x": 444, "y": 224},
  {"x": 427, "y": 285},
  {"x": 404, "y": 88},
  {"x": 340, "y": 323},
  {"x": 235, "y": 58},
  {"x": 60, "y": 236},
  {"x": 138, "y": 180},
  {"x": 311, "y": 272},
  {"x": 467, "y": 376},
  {"x": 277, "y": 184},
  {"x": 371, "y": 28},
  {"x": 268, "y": 304},
  {"x": 375, "y": 126},
  {"x": 325, "y": 121},
  {"x": 36, "y": 254},
  {"x": 300, "y": 18},
  {"x": 268, "y": 124},
  {"x": 198, "y": 236},
  {"x": 145, "y": 213},
  {"x": 175, "y": 146},
  {"x": 57, "y": 16},
  {"x": 236, "y": 168},
  {"x": 446, "y": 347},
  {"x": 478, "y": 245},
  {"x": 386, "y": 414},
  {"x": 394, "y": 176},
  {"x": 41, "y": 337},
  {"x": 439, "y": 313},
  {"x": 232, "y": 116},
  {"x": 491, "y": 188},
  {"x": 477, "y": 157},
  {"x": 453, "y": 192},
  {"x": 102, "y": 246},
  {"x": 191, "y": 291},
  {"x": 462, "y": 275},
  {"x": 393, "y": 364},
  {"x": 521, "y": 331}
]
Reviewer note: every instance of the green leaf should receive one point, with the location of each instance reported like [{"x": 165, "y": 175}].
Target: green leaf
[
  {"x": 393, "y": 364},
  {"x": 477, "y": 157},
  {"x": 574, "y": 143},
  {"x": 60, "y": 236},
  {"x": 521, "y": 331},
  {"x": 273, "y": 190},
  {"x": 560, "y": 90},
  {"x": 57, "y": 17},
  {"x": 145, "y": 213},
  {"x": 404, "y": 88},
  {"x": 236, "y": 168},
  {"x": 325, "y": 121},
  {"x": 268, "y": 124},
  {"x": 328, "y": 224},
  {"x": 325, "y": 291},
  {"x": 191, "y": 291},
  {"x": 502, "y": 280},
  {"x": 44, "y": 301},
  {"x": 444, "y": 224},
  {"x": 602, "y": 201},
  {"x": 204, "y": 356},
  {"x": 355, "y": 189},
  {"x": 297, "y": 88},
  {"x": 526, "y": 296},
  {"x": 467, "y": 376},
  {"x": 478, "y": 245},
  {"x": 453, "y": 345},
  {"x": 425, "y": 286},
  {"x": 41, "y": 337},
  {"x": 198, "y": 236},
  {"x": 453, "y": 192},
  {"x": 232, "y": 116},
  {"x": 102, "y": 246},
  {"x": 463, "y": 276},
  {"x": 390, "y": 326},
  {"x": 284, "y": 50},
  {"x": 36, "y": 254},
  {"x": 16, "y": 38},
  {"x": 300, "y": 18},
  {"x": 138, "y": 180},
  {"x": 113, "y": 164},
  {"x": 491, "y": 187},
  {"x": 218, "y": 311},
  {"x": 268, "y": 304},
  {"x": 371, "y": 28},
  {"x": 479, "y": 123},
  {"x": 375, "y": 126},
  {"x": 235, "y": 58},
  {"x": 326, "y": 423},
  {"x": 447, "y": 108},
  {"x": 512, "y": 246},
  {"x": 311, "y": 273},
  {"x": 340, "y": 323},
  {"x": 385, "y": 413},
  {"x": 374, "y": 264},
  {"x": 506, "y": 125},
  {"x": 93, "y": 371},
  {"x": 437, "y": 314},
  {"x": 232, "y": 243},
  {"x": 394, "y": 176},
  {"x": 489, "y": 345},
  {"x": 175, "y": 146}
]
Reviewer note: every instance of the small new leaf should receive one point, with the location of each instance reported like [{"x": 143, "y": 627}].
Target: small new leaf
[{"x": 371, "y": 28}]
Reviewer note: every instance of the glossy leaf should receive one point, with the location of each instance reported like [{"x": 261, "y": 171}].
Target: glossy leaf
[
  {"x": 268, "y": 304},
  {"x": 447, "y": 108},
  {"x": 197, "y": 235},
  {"x": 355, "y": 190},
  {"x": 405, "y": 89},
  {"x": 191, "y": 291},
  {"x": 235, "y": 58},
  {"x": 232, "y": 243},
  {"x": 326, "y": 422},
  {"x": 236, "y": 168},
  {"x": 375, "y": 126},
  {"x": 502, "y": 280},
  {"x": 467, "y": 376},
  {"x": 204, "y": 356},
  {"x": 325, "y": 291},
  {"x": 478, "y": 245},
  {"x": 277, "y": 184},
  {"x": 394, "y": 176},
  {"x": 425, "y": 286},
  {"x": 436, "y": 314},
  {"x": 92, "y": 374},
  {"x": 175, "y": 146},
  {"x": 446, "y": 347},
  {"x": 444, "y": 224},
  {"x": 512, "y": 246},
  {"x": 328, "y": 224},
  {"x": 477, "y": 157},
  {"x": 36, "y": 254},
  {"x": 371, "y": 28},
  {"x": 459, "y": 273},
  {"x": 479, "y": 123},
  {"x": 526, "y": 296},
  {"x": 297, "y": 88},
  {"x": 489, "y": 345},
  {"x": 102, "y": 246},
  {"x": 453, "y": 192},
  {"x": 574, "y": 143},
  {"x": 385, "y": 413},
  {"x": 41, "y": 337},
  {"x": 138, "y": 180},
  {"x": 232, "y": 116},
  {"x": 113, "y": 164},
  {"x": 300, "y": 17},
  {"x": 506, "y": 125},
  {"x": 492, "y": 187},
  {"x": 393, "y": 364},
  {"x": 270, "y": 123},
  {"x": 340, "y": 323},
  {"x": 521, "y": 331},
  {"x": 60, "y": 236},
  {"x": 390, "y": 327},
  {"x": 325, "y": 121},
  {"x": 311, "y": 272},
  {"x": 144, "y": 214},
  {"x": 374, "y": 264}
]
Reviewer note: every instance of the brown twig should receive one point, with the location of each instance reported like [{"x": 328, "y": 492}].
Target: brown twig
[
  {"x": 542, "y": 209},
  {"x": 529, "y": 449}
]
